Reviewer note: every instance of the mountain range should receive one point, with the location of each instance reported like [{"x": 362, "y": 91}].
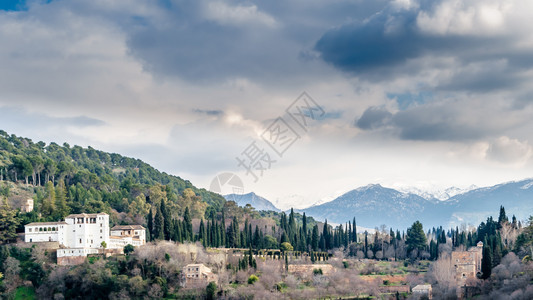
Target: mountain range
[
  {"x": 374, "y": 205},
  {"x": 258, "y": 202}
]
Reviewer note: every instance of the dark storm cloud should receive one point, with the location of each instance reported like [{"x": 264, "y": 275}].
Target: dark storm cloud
[
  {"x": 204, "y": 41},
  {"x": 431, "y": 122},
  {"x": 386, "y": 45},
  {"x": 435, "y": 123},
  {"x": 373, "y": 118}
]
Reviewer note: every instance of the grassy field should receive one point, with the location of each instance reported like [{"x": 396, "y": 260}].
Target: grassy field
[{"x": 25, "y": 293}]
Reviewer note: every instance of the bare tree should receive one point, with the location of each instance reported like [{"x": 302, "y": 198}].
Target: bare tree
[
  {"x": 509, "y": 234},
  {"x": 11, "y": 274},
  {"x": 442, "y": 275}
]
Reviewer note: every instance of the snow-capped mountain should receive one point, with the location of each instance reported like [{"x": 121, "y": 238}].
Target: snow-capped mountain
[
  {"x": 436, "y": 193},
  {"x": 374, "y": 205}
]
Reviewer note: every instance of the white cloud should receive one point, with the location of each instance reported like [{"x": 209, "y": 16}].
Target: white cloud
[
  {"x": 238, "y": 15},
  {"x": 509, "y": 151},
  {"x": 468, "y": 17}
]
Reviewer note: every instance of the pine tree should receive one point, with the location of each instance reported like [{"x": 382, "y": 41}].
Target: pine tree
[
  {"x": 416, "y": 238},
  {"x": 8, "y": 222}
]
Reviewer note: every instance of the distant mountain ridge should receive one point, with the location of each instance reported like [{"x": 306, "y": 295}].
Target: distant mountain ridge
[
  {"x": 437, "y": 194},
  {"x": 258, "y": 202},
  {"x": 374, "y": 205}
]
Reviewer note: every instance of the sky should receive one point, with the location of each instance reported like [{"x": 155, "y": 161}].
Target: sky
[{"x": 302, "y": 100}]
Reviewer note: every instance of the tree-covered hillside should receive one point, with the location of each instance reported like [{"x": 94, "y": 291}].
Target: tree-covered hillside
[{"x": 71, "y": 179}]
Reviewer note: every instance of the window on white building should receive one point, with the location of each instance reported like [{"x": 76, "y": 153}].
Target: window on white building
[{"x": 29, "y": 230}]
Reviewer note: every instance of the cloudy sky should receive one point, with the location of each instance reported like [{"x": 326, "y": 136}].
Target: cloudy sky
[{"x": 421, "y": 93}]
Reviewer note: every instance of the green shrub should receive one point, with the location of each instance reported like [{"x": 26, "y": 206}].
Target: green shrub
[
  {"x": 317, "y": 272},
  {"x": 252, "y": 279},
  {"x": 211, "y": 290},
  {"x": 128, "y": 249}
]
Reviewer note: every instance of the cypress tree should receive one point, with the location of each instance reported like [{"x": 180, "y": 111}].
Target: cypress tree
[
  {"x": 354, "y": 231},
  {"x": 202, "y": 234},
  {"x": 325, "y": 234},
  {"x": 223, "y": 230},
  {"x": 304, "y": 226},
  {"x": 256, "y": 241},
  {"x": 149, "y": 221},
  {"x": 502, "y": 217},
  {"x": 187, "y": 223},
  {"x": 167, "y": 222},
  {"x": 486, "y": 261},
  {"x": 314, "y": 238},
  {"x": 158, "y": 225},
  {"x": 366, "y": 244}
]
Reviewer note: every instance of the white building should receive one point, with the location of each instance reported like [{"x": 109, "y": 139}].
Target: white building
[
  {"x": 77, "y": 231},
  {"x": 121, "y": 235},
  {"x": 82, "y": 234},
  {"x": 42, "y": 232}
]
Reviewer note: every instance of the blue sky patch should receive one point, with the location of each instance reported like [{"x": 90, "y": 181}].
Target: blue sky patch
[
  {"x": 407, "y": 100},
  {"x": 13, "y": 5}
]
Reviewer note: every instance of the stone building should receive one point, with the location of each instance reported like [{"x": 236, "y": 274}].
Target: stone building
[
  {"x": 467, "y": 264},
  {"x": 197, "y": 275},
  {"x": 423, "y": 290},
  {"x": 27, "y": 206}
]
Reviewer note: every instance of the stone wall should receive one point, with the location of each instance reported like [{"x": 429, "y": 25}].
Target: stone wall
[
  {"x": 70, "y": 260},
  {"x": 307, "y": 269}
]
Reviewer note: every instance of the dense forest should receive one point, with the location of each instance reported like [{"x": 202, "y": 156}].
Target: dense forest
[{"x": 64, "y": 180}]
